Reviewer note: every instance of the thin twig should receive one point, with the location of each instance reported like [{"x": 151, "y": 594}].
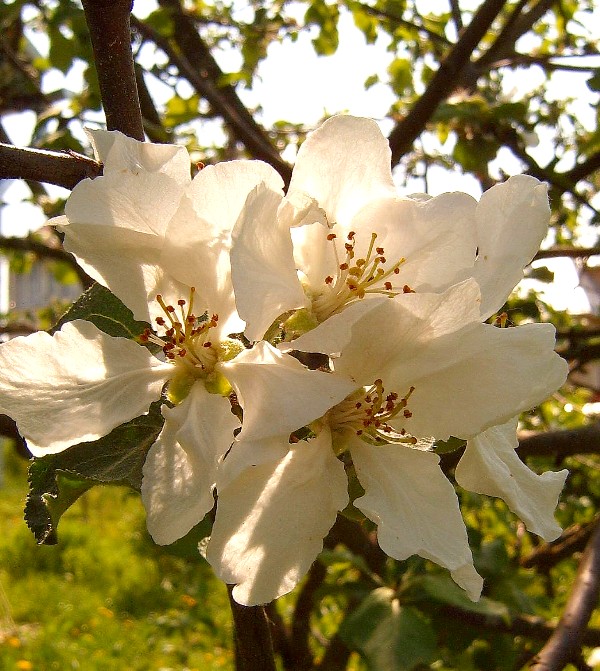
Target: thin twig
[
  {"x": 444, "y": 81},
  {"x": 564, "y": 644},
  {"x": 547, "y": 555},
  {"x": 42, "y": 251},
  {"x": 61, "y": 168},
  {"x": 570, "y": 252}
]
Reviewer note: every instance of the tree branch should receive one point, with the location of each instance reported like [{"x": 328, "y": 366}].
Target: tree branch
[
  {"x": 519, "y": 625},
  {"x": 444, "y": 81},
  {"x": 558, "y": 444},
  {"x": 570, "y": 252},
  {"x": 357, "y": 541},
  {"x": 299, "y": 640},
  {"x": 61, "y": 168},
  {"x": 565, "y": 642},
  {"x": 574, "y": 539},
  {"x": 252, "y": 637},
  {"x": 195, "y": 62},
  {"x": 515, "y": 27},
  {"x": 42, "y": 251},
  {"x": 108, "y": 23}
]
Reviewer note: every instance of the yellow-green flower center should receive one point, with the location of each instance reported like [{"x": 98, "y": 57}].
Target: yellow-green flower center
[
  {"x": 187, "y": 343},
  {"x": 367, "y": 413}
]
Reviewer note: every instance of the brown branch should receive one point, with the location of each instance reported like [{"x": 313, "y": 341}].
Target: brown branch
[
  {"x": 16, "y": 329},
  {"x": 444, "y": 81},
  {"x": 574, "y": 539},
  {"x": 280, "y": 633},
  {"x": 519, "y": 625},
  {"x": 570, "y": 252},
  {"x": 519, "y": 23},
  {"x": 299, "y": 640},
  {"x": 456, "y": 15},
  {"x": 587, "y": 167},
  {"x": 108, "y": 23},
  {"x": 565, "y": 642},
  {"x": 336, "y": 655},
  {"x": 153, "y": 124},
  {"x": 561, "y": 443},
  {"x": 560, "y": 182},
  {"x": 252, "y": 637},
  {"x": 42, "y": 251},
  {"x": 357, "y": 541},
  {"x": 195, "y": 62},
  {"x": 61, "y": 168},
  {"x": 558, "y": 444}
]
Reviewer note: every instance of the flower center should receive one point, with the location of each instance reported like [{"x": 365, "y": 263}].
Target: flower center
[
  {"x": 366, "y": 413},
  {"x": 185, "y": 339},
  {"x": 356, "y": 277}
]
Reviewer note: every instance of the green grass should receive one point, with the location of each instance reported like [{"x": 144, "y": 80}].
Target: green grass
[{"x": 105, "y": 597}]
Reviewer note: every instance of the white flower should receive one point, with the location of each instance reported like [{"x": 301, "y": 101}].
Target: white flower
[
  {"x": 411, "y": 369},
  {"x": 160, "y": 241},
  {"x": 343, "y": 233}
]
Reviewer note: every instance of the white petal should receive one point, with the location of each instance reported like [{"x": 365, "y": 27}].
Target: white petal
[
  {"x": 491, "y": 466},
  {"x": 512, "y": 220},
  {"x": 335, "y": 333},
  {"x": 75, "y": 386},
  {"x": 415, "y": 508},
  {"x": 141, "y": 203},
  {"x": 263, "y": 269},
  {"x": 279, "y": 394},
  {"x": 386, "y": 339},
  {"x": 180, "y": 469},
  {"x": 121, "y": 154},
  {"x": 116, "y": 226},
  {"x": 201, "y": 228},
  {"x": 436, "y": 237},
  {"x": 343, "y": 165},
  {"x": 220, "y": 191},
  {"x": 272, "y": 519},
  {"x": 467, "y": 376},
  {"x": 479, "y": 377}
]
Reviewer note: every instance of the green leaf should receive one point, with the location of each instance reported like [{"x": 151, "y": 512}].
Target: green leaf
[
  {"x": 443, "y": 589},
  {"x": 389, "y": 636},
  {"x": 326, "y": 17},
  {"x": 593, "y": 83},
  {"x": 182, "y": 110},
  {"x": 541, "y": 274},
  {"x": 56, "y": 481},
  {"x": 99, "y": 306},
  {"x": 62, "y": 50},
  {"x": 366, "y": 23},
  {"x": 450, "y": 445},
  {"x": 50, "y": 494},
  {"x": 475, "y": 154},
  {"x": 400, "y": 71}
]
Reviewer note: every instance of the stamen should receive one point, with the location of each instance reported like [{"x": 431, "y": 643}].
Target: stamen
[
  {"x": 186, "y": 338},
  {"x": 355, "y": 277},
  {"x": 367, "y": 413}
]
